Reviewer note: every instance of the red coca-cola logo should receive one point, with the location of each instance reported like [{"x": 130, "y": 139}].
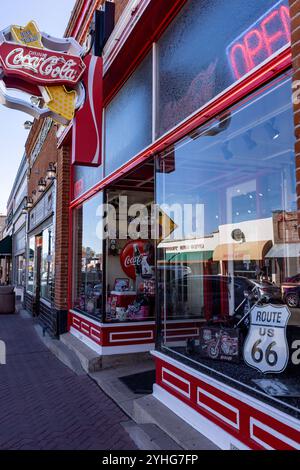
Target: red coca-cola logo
[
  {"x": 41, "y": 66},
  {"x": 133, "y": 256}
]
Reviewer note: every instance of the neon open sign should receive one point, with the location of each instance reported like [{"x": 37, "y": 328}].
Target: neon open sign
[{"x": 267, "y": 35}]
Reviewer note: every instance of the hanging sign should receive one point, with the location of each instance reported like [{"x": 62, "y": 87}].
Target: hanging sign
[
  {"x": 40, "y": 67},
  {"x": 266, "y": 347},
  {"x": 64, "y": 81}
]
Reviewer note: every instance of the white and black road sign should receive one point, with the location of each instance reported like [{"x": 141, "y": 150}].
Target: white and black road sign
[{"x": 266, "y": 347}]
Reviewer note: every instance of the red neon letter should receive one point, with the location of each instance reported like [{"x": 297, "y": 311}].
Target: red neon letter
[
  {"x": 270, "y": 39},
  {"x": 252, "y": 51},
  {"x": 235, "y": 61},
  {"x": 286, "y": 21}
]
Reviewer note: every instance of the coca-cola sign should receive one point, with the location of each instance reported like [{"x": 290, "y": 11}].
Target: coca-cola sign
[
  {"x": 40, "y": 66},
  {"x": 137, "y": 259}
]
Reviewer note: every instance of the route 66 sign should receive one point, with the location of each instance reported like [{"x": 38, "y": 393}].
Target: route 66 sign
[{"x": 266, "y": 348}]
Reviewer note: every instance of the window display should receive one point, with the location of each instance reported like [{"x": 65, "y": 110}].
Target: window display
[
  {"x": 231, "y": 260},
  {"x": 31, "y": 265},
  {"x": 130, "y": 263},
  {"x": 88, "y": 258},
  {"x": 47, "y": 264}
]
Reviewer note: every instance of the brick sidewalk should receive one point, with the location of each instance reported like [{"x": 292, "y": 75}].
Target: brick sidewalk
[{"x": 44, "y": 405}]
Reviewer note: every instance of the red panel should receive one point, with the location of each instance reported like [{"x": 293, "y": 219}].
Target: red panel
[
  {"x": 219, "y": 406},
  {"x": 273, "y": 441},
  {"x": 87, "y": 127}
]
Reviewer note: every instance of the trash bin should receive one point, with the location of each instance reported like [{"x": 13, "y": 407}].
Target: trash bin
[{"x": 7, "y": 299}]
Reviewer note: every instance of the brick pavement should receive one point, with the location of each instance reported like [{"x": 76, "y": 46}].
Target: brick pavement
[{"x": 46, "y": 406}]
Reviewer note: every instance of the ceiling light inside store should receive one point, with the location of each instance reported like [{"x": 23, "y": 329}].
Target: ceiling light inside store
[
  {"x": 227, "y": 153},
  {"x": 273, "y": 132}
]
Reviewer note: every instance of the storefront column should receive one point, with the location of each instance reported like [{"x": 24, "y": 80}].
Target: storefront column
[
  {"x": 295, "y": 32},
  {"x": 62, "y": 238}
]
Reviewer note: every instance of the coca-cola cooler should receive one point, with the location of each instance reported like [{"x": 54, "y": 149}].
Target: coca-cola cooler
[{"x": 122, "y": 299}]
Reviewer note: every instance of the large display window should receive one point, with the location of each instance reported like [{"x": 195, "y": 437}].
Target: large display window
[
  {"x": 241, "y": 35},
  {"x": 31, "y": 265},
  {"x": 130, "y": 265},
  {"x": 128, "y": 118},
  {"x": 88, "y": 258},
  {"x": 230, "y": 259},
  {"x": 47, "y": 264}
]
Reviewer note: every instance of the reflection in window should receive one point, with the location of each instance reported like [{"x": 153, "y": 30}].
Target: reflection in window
[
  {"x": 47, "y": 264},
  {"x": 240, "y": 245},
  {"x": 128, "y": 122},
  {"x": 31, "y": 265},
  {"x": 88, "y": 258},
  {"x": 191, "y": 74}
]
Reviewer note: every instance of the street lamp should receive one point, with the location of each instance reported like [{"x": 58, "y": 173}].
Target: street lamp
[
  {"x": 42, "y": 185},
  {"x": 51, "y": 172}
]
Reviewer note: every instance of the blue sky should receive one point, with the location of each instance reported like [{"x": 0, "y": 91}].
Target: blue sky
[{"x": 51, "y": 17}]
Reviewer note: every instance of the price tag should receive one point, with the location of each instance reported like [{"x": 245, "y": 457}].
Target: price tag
[{"x": 266, "y": 347}]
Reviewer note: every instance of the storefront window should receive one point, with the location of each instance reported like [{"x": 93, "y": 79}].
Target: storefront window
[
  {"x": 130, "y": 273},
  {"x": 88, "y": 258},
  {"x": 20, "y": 270},
  {"x": 128, "y": 118},
  {"x": 85, "y": 177},
  {"x": 47, "y": 264},
  {"x": 229, "y": 266},
  {"x": 31, "y": 265},
  {"x": 239, "y": 38}
]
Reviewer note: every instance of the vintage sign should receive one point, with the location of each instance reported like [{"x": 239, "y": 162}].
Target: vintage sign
[
  {"x": 137, "y": 259},
  {"x": 38, "y": 64},
  {"x": 40, "y": 67},
  {"x": 221, "y": 344},
  {"x": 266, "y": 347},
  {"x": 87, "y": 125},
  {"x": 62, "y": 81}
]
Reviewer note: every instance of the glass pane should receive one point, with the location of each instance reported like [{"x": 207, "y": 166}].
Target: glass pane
[
  {"x": 130, "y": 273},
  {"x": 88, "y": 258},
  {"x": 231, "y": 265},
  {"x": 211, "y": 44},
  {"x": 85, "y": 177},
  {"x": 31, "y": 264},
  {"x": 47, "y": 264},
  {"x": 128, "y": 118}
]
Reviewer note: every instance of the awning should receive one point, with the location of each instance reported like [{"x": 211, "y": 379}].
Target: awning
[
  {"x": 284, "y": 250},
  {"x": 246, "y": 251},
  {"x": 6, "y": 246},
  {"x": 189, "y": 256}
]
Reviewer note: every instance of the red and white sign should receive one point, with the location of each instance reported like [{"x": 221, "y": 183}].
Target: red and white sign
[
  {"x": 87, "y": 125},
  {"x": 40, "y": 66},
  {"x": 135, "y": 257}
]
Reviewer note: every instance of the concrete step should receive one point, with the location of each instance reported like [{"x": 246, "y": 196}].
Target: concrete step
[
  {"x": 149, "y": 410},
  {"x": 90, "y": 360},
  {"x": 149, "y": 437}
]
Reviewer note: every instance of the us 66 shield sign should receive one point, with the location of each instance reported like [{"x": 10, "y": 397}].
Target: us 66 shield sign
[{"x": 266, "y": 347}]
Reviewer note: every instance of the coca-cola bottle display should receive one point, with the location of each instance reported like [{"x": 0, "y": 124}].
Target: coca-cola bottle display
[
  {"x": 148, "y": 261},
  {"x": 137, "y": 259}
]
